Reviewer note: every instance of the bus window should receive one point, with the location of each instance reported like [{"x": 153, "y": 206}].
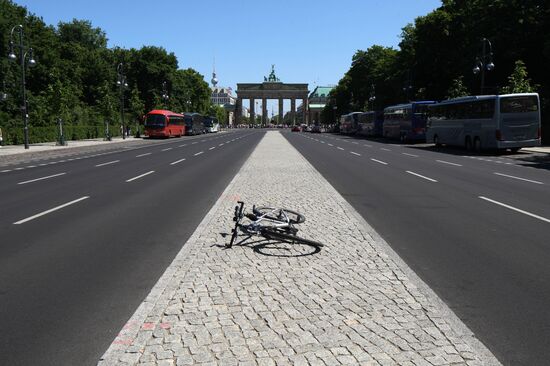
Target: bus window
[
  {"x": 520, "y": 104},
  {"x": 155, "y": 120}
]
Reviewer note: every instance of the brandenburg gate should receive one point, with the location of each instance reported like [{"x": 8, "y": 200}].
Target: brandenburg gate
[{"x": 272, "y": 88}]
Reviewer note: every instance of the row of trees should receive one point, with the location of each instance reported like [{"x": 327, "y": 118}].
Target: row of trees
[
  {"x": 437, "y": 53},
  {"x": 75, "y": 79}
]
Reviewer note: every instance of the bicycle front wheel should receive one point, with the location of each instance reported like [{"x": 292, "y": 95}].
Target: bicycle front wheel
[
  {"x": 275, "y": 234},
  {"x": 278, "y": 214}
]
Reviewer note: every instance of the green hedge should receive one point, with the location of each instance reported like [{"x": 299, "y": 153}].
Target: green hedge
[{"x": 15, "y": 136}]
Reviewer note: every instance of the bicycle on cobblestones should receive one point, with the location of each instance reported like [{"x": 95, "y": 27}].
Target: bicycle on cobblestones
[{"x": 271, "y": 223}]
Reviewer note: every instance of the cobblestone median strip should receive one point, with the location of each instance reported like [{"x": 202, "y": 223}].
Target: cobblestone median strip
[{"x": 352, "y": 302}]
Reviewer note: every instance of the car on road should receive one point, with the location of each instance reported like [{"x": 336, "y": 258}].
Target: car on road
[{"x": 296, "y": 129}]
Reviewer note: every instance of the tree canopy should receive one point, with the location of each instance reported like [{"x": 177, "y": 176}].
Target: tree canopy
[{"x": 75, "y": 78}]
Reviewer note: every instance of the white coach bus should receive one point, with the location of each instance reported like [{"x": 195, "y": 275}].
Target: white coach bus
[{"x": 509, "y": 121}]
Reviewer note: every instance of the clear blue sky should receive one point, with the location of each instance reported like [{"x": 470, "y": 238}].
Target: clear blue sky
[{"x": 308, "y": 41}]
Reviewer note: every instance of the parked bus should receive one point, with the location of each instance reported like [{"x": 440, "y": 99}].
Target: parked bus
[
  {"x": 406, "y": 122},
  {"x": 163, "y": 123},
  {"x": 349, "y": 123},
  {"x": 211, "y": 124},
  {"x": 194, "y": 124},
  {"x": 510, "y": 121},
  {"x": 370, "y": 123}
]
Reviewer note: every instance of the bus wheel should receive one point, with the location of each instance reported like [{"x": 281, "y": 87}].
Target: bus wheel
[
  {"x": 468, "y": 143},
  {"x": 436, "y": 141},
  {"x": 514, "y": 150},
  {"x": 477, "y": 145}
]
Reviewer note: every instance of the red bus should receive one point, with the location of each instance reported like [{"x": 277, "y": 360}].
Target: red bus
[{"x": 162, "y": 123}]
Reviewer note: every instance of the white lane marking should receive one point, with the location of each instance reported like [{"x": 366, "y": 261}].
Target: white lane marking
[
  {"x": 37, "y": 179},
  {"x": 203, "y": 140},
  {"x": 167, "y": 149},
  {"x": 198, "y": 153},
  {"x": 448, "y": 162},
  {"x": 177, "y": 161},
  {"x": 414, "y": 156},
  {"x": 221, "y": 144},
  {"x": 108, "y": 163},
  {"x": 524, "y": 179},
  {"x": 193, "y": 143},
  {"x": 139, "y": 156},
  {"x": 140, "y": 176},
  {"x": 355, "y": 143},
  {"x": 212, "y": 148},
  {"x": 379, "y": 161},
  {"x": 6, "y": 171},
  {"x": 227, "y": 142},
  {"x": 515, "y": 209},
  {"x": 50, "y": 210},
  {"x": 24, "y": 168},
  {"x": 182, "y": 145},
  {"x": 383, "y": 148},
  {"x": 354, "y": 153},
  {"x": 367, "y": 145},
  {"x": 323, "y": 142},
  {"x": 339, "y": 148},
  {"x": 43, "y": 164},
  {"x": 34, "y": 166},
  {"x": 330, "y": 145},
  {"x": 421, "y": 176}
]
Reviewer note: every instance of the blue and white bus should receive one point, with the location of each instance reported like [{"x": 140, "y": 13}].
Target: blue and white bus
[
  {"x": 406, "y": 122},
  {"x": 370, "y": 123},
  {"x": 509, "y": 121},
  {"x": 211, "y": 124},
  {"x": 349, "y": 123}
]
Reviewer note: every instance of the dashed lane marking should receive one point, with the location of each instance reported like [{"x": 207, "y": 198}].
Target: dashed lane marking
[
  {"x": 140, "y": 155},
  {"x": 422, "y": 176},
  {"x": 339, "y": 148},
  {"x": 140, "y": 176},
  {"x": 212, "y": 148},
  {"x": 379, "y": 161},
  {"x": 108, "y": 163},
  {"x": 177, "y": 161},
  {"x": 515, "y": 209},
  {"x": 448, "y": 163},
  {"x": 354, "y": 153},
  {"x": 414, "y": 156},
  {"x": 167, "y": 149},
  {"x": 198, "y": 153},
  {"x": 518, "y": 178},
  {"x": 50, "y": 210},
  {"x": 42, "y": 178}
]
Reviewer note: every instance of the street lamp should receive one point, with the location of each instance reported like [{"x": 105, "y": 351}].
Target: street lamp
[
  {"x": 372, "y": 97},
  {"x": 122, "y": 84},
  {"x": 165, "y": 95},
  {"x": 24, "y": 60},
  {"x": 484, "y": 62},
  {"x": 3, "y": 94}
]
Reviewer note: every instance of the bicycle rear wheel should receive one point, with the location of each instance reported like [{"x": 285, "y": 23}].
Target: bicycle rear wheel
[
  {"x": 275, "y": 234},
  {"x": 276, "y": 214}
]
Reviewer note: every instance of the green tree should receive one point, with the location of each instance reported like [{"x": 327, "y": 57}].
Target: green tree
[
  {"x": 457, "y": 88},
  {"x": 518, "y": 81}
]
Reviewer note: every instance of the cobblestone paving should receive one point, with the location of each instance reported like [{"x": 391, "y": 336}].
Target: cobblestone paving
[{"x": 264, "y": 303}]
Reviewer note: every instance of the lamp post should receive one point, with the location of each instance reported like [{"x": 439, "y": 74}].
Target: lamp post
[
  {"x": 165, "y": 95},
  {"x": 122, "y": 84},
  {"x": 23, "y": 53},
  {"x": 484, "y": 62}
]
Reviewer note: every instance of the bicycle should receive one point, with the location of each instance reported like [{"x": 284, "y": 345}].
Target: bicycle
[{"x": 271, "y": 223}]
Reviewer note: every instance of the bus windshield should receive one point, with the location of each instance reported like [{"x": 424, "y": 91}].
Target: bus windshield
[
  {"x": 155, "y": 120},
  {"x": 520, "y": 104}
]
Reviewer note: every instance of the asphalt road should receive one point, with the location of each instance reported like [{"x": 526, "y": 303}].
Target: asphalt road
[
  {"x": 476, "y": 229},
  {"x": 82, "y": 241}
]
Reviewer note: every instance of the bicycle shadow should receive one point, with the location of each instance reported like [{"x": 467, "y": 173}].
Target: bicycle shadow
[{"x": 274, "y": 248}]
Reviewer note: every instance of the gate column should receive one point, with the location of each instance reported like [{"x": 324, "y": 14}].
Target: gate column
[
  {"x": 281, "y": 114},
  {"x": 252, "y": 111},
  {"x": 238, "y": 112},
  {"x": 264, "y": 111},
  {"x": 293, "y": 111}
]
